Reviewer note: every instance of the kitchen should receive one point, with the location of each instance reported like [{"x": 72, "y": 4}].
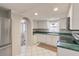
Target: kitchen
[
  {"x": 63, "y": 33},
  {"x": 40, "y": 29}
]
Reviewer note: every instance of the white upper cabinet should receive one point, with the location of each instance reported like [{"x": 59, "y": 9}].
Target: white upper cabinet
[
  {"x": 40, "y": 25},
  {"x": 74, "y": 16},
  {"x": 35, "y": 25}
]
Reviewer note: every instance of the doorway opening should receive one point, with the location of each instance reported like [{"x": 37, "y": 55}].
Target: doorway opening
[
  {"x": 26, "y": 33},
  {"x": 23, "y": 36}
]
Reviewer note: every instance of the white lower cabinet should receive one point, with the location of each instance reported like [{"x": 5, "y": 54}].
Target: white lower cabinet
[
  {"x": 54, "y": 40},
  {"x": 51, "y": 40},
  {"x": 41, "y": 38},
  {"x": 34, "y": 41},
  {"x": 48, "y": 39},
  {"x": 67, "y": 52}
]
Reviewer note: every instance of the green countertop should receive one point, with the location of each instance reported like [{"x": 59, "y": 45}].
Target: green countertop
[
  {"x": 74, "y": 47},
  {"x": 68, "y": 43},
  {"x": 53, "y": 33},
  {"x": 66, "y": 40}
]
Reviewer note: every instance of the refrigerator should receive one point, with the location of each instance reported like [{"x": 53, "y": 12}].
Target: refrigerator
[{"x": 5, "y": 32}]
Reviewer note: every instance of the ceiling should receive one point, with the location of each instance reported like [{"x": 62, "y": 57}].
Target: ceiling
[{"x": 44, "y": 10}]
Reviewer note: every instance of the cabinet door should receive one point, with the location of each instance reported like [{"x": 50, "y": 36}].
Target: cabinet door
[
  {"x": 35, "y": 39},
  {"x": 74, "y": 20},
  {"x": 42, "y": 25},
  {"x": 35, "y": 25},
  {"x": 54, "y": 40},
  {"x": 67, "y": 52},
  {"x": 40, "y": 37},
  {"x": 48, "y": 39},
  {"x": 51, "y": 40},
  {"x": 43, "y": 38}
]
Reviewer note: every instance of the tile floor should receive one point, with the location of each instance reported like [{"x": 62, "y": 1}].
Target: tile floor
[{"x": 39, "y": 51}]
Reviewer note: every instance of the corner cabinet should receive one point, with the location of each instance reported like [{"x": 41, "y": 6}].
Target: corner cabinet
[{"x": 74, "y": 16}]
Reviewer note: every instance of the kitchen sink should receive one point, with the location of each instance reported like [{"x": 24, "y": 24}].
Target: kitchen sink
[
  {"x": 68, "y": 39},
  {"x": 76, "y": 37}
]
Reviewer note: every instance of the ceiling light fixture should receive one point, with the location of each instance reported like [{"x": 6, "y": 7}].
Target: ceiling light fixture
[
  {"x": 36, "y": 14},
  {"x": 55, "y": 9}
]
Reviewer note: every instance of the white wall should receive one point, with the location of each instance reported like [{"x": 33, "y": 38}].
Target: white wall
[{"x": 16, "y": 33}]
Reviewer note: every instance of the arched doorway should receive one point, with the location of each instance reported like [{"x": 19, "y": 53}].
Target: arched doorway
[{"x": 25, "y": 35}]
